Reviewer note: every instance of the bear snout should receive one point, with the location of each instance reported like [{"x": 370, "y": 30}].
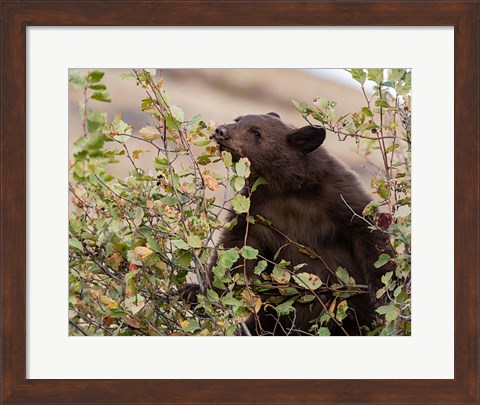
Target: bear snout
[{"x": 220, "y": 133}]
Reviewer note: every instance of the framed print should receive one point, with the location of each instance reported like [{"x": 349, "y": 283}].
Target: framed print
[{"x": 105, "y": 273}]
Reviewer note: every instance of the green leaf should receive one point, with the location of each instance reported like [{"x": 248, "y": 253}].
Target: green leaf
[
  {"x": 180, "y": 244},
  {"x": 366, "y": 111},
  {"x": 375, "y": 75},
  {"x": 323, "y": 331},
  {"x": 286, "y": 307},
  {"x": 260, "y": 181},
  {"x": 171, "y": 122},
  {"x": 391, "y": 312},
  {"x": 121, "y": 127},
  {"x": 342, "y": 275},
  {"x": 74, "y": 243},
  {"x": 77, "y": 80},
  {"x": 97, "y": 87},
  {"x": 219, "y": 277},
  {"x": 382, "y": 260},
  {"x": 101, "y": 96},
  {"x": 202, "y": 142},
  {"x": 74, "y": 226},
  {"x": 177, "y": 113},
  {"x": 213, "y": 296},
  {"x": 260, "y": 267},
  {"x": 320, "y": 117},
  {"x": 389, "y": 84},
  {"x": 146, "y": 102},
  {"x": 227, "y": 258},
  {"x": 125, "y": 76},
  {"x": 370, "y": 209},
  {"x": 382, "y": 103},
  {"x": 240, "y": 204},
  {"x": 192, "y": 124},
  {"x": 147, "y": 233},
  {"x": 387, "y": 278},
  {"x": 96, "y": 120},
  {"x": 163, "y": 97},
  {"x": 191, "y": 325},
  {"x": 169, "y": 200},
  {"x": 161, "y": 163},
  {"x": 306, "y": 298},
  {"x": 248, "y": 252},
  {"x": 395, "y": 75},
  {"x": 90, "y": 144},
  {"x": 183, "y": 258},
  {"x": 237, "y": 183},
  {"x": 280, "y": 275},
  {"x": 95, "y": 76},
  {"x": 204, "y": 159},
  {"x": 308, "y": 280},
  {"x": 397, "y": 291},
  {"x": 231, "y": 301},
  {"x": 301, "y": 106},
  {"x": 406, "y": 85},
  {"x": 227, "y": 158},
  {"x": 242, "y": 167},
  {"x": 359, "y": 75},
  {"x": 194, "y": 241}
]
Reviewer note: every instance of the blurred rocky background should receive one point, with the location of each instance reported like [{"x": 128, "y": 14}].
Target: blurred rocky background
[{"x": 223, "y": 94}]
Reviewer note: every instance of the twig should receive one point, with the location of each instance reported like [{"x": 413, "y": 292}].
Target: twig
[{"x": 79, "y": 328}]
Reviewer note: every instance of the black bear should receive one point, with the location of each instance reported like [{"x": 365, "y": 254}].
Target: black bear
[{"x": 309, "y": 201}]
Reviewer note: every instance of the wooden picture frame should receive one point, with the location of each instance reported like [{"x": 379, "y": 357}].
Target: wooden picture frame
[{"x": 18, "y": 15}]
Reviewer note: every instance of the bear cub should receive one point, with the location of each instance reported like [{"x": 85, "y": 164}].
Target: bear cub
[{"x": 305, "y": 201}]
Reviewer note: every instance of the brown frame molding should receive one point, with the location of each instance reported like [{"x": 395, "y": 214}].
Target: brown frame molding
[{"x": 17, "y": 15}]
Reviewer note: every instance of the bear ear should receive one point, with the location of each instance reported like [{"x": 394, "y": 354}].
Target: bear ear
[
  {"x": 307, "y": 139},
  {"x": 273, "y": 114}
]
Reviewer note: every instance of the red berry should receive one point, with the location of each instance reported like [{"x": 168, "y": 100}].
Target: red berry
[
  {"x": 384, "y": 220},
  {"x": 132, "y": 267}
]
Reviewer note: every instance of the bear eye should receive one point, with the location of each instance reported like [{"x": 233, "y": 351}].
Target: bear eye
[{"x": 256, "y": 133}]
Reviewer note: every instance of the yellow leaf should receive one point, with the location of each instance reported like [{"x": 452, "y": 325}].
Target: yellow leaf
[
  {"x": 136, "y": 153},
  {"x": 149, "y": 133},
  {"x": 252, "y": 300},
  {"x": 141, "y": 253},
  {"x": 112, "y": 304},
  {"x": 210, "y": 182},
  {"x": 114, "y": 260},
  {"x": 332, "y": 306},
  {"x": 95, "y": 293}
]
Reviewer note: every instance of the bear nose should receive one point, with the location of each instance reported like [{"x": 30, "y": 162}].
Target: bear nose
[{"x": 220, "y": 133}]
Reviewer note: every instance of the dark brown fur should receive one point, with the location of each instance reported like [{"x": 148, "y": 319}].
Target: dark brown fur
[{"x": 303, "y": 200}]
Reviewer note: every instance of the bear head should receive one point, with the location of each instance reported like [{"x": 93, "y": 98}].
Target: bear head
[{"x": 275, "y": 149}]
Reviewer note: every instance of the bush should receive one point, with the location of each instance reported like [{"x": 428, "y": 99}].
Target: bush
[{"x": 135, "y": 241}]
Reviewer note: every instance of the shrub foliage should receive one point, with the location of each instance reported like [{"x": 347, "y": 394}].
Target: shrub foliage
[{"x": 135, "y": 241}]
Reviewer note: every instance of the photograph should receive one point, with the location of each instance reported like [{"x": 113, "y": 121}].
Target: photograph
[
  {"x": 182, "y": 178},
  {"x": 239, "y": 202}
]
